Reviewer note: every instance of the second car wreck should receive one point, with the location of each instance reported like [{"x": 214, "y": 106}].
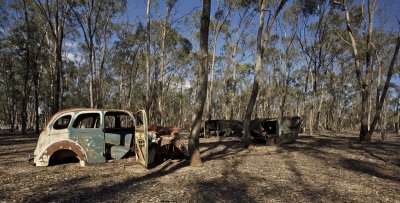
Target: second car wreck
[
  {"x": 272, "y": 130},
  {"x": 276, "y": 130},
  {"x": 97, "y": 135},
  {"x": 222, "y": 128}
]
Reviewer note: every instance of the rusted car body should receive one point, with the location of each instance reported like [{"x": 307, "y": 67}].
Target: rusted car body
[
  {"x": 97, "y": 135},
  {"x": 222, "y": 128},
  {"x": 276, "y": 130}
]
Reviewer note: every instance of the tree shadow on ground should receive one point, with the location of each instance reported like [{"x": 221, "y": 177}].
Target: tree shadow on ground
[
  {"x": 368, "y": 168},
  {"x": 231, "y": 186},
  {"x": 378, "y": 150},
  {"x": 17, "y": 139},
  {"x": 110, "y": 191},
  {"x": 321, "y": 148},
  {"x": 229, "y": 147},
  {"x": 308, "y": 192},
  {"x": 72, "y": 192}
]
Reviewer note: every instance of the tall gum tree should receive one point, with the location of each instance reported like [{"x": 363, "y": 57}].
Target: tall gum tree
[
  {"x": 262, "y": 39},
  {"x": 216, "y": 29},
  {"x": 194, "y": 150},
  {"x": 87, "y": 15},
  {"x": 148, "y": 102},
  {"x": 55, "y": 15}
]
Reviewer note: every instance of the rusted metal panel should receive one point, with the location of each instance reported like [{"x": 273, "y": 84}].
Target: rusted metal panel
[
  {"x": 43, "y": 158},
  {"x": 92, "y": 142},
  {"x": 142, "y": 138},
  {"x": 276, "y": 130},
  {"x": 222, "y": 127}
]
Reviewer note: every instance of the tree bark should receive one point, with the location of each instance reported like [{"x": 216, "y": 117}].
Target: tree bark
[
  {"x": 365, "y": 90},
  {"x": 194, "y": 150},
  {"x": 148, "y": 58},
  {"x": 26, "y": 75},
  {"x": 160, "y": 99},
  {"x": 257, "y": 77},
  {"x": 217, "y": 31}
]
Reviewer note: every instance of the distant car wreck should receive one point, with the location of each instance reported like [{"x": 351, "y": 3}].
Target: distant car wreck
[
  {"x": 222, "y": 128},
  {"x": 97, "y": 135},
  {"x": 276, "y": 131}
]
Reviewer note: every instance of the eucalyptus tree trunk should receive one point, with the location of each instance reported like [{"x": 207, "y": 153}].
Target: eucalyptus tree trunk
[
  {"x": 210, "y": 94},
  {"x": 312, "y": 110},
  {"x": 362, "y": 82},
  {"x": 286, "y": 75},
  {"x": 194, "y": 150},
  {"x": 257, "y": 76},
  {"x": 397, "y": 127},
  {"x": 89, "y": 22},
  {"x": 56, "y": 22},
  {"x": 217, "y": 31},
  {"x": 91, "y": 67},
  {"x": 36, "y": 96},
  {"x": 258, "y": 67},
  {"x": 100, "y": 92},
  {"x": 160, "y": 95},
  {"x": 148, "y": 58},
  {"x": 26, "y": 75}
]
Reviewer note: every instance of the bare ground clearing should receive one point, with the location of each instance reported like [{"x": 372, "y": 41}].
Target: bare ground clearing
[{"x": 323, "y": 168}]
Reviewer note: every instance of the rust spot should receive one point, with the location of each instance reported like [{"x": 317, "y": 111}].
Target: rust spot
[{"x": 62, "y": 145}]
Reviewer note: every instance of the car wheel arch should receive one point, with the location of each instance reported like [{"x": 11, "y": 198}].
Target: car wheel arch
[{"x": 55, "y": 147}]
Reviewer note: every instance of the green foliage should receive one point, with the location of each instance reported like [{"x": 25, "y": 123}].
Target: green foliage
[{"x": 311, "y": 7}]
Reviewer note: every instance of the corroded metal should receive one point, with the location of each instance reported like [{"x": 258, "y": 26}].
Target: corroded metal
[
  {"x": 96, "y": 135},
  {"x": 222, "y": 127},
  {"x": 44, "y": 157},
  {"x": 276, "y": 130}
]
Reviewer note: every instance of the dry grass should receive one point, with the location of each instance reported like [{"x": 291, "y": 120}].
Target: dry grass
[{"x": 323, "y": 168}]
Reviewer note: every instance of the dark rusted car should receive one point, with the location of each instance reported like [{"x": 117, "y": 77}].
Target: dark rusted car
[
  {"x": 276, "y": 130},
  {"x": 222, "y": 128},
  {"x": 97, "y": 135}
]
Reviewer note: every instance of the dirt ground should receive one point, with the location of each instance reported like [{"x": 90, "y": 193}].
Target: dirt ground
[{"x": 320, "y": 168}]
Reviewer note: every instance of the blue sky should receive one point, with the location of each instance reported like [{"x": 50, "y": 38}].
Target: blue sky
[
  {"x": 137, "y": 8},
  {"x": 136, "y": 11}
]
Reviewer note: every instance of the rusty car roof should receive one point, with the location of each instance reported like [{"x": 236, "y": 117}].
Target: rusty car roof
[{"x": 83, "y": 109}]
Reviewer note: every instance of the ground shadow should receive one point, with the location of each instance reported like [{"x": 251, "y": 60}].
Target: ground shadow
[
  {"x": 73, "y": 193},
  {"x": 369, "y": 168}
]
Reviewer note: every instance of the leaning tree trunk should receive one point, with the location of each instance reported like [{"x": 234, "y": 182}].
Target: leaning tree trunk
[
  {"x": 378, "y": 111},
  {"x": 194, "y": 151},
  {"x": 257, "y": 77}
]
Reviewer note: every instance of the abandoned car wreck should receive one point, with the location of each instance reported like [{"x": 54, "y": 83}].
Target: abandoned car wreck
[
  {"x": 222, "y": 128},
  {"x": 276, "y": 131},
  {"x": 272, "y": 130},
  {"x": 98, "y": 135}
]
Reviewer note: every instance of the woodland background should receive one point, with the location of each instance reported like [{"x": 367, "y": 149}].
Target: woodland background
[{"x": 326, "y": 61}]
